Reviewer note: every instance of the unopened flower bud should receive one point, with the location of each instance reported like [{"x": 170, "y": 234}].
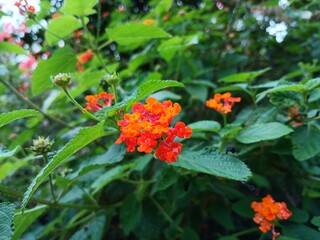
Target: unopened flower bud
[
  {"x": 41, "y": 145},
  {"x": 61, "y": 79},
  {"x": 112, "y": 79}
]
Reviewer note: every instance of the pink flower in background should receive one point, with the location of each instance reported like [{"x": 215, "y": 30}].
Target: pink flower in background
[{"x": 28, "y": 65}]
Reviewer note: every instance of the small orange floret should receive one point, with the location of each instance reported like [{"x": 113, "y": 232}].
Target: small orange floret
[
  {"x": 99, "y": 101},
  {"x": 267, "y": 212},
  {"x": 294, "y": 116},
  {"x": 55, "y": 15},
  {"x": 222, "y": 103},
  {"x": 85, "y": 57},
  {"x": 148, "y": 128},
  {"x": 148, "y": 22}
]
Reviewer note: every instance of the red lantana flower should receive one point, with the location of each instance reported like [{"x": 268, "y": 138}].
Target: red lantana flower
[
  {"x": 222, "y": 103},
  {"x": 98, "y": 101},
  {"x": 294, "y": 116},
  {"x": 147, "y": 129},
  {"x": 267, "y": 212},
  {"x": 24, "y": 7}
]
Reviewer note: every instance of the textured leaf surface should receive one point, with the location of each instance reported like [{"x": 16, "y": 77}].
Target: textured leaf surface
[
  {"x": 281, "y": 88},
  {"x": 80, "y": 140},
  {"x": 262, "y": 131},
  {"x": 23, "y": 221},
  {"x": 6, "y": 118},
  {"x": 300, "y": 231},
  {"x": 305, "y": 143},
  {"x": 12, "y": 48},
  {"x": 62, "y": 27},
  {"x": 6, "y": 220},
  {"x": 130, "y": 213},
  {"x": 79, "y": 8},
  {"x": 63, "y": 60},
  {"x": 129, "y": 33},
  {"x": 214, "y": 163},
  {"x": 205, "y": 126},
  {"x": 312, "y": 84}
]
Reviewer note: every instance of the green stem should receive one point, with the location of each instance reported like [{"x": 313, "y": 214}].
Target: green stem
[
  {"x": 165, "y": 214},
  {"x": 32, "y": 105},
  {"x": 93, "y": 46},
  {"x": 104, "y": 45},
  {"x": 46, "y": 160},
  {"x": 114, "y": 89},
  {"x": 224, "y": 116},
  {"x": 66, "y": 91},
  {"x": 19, "y": 195}
]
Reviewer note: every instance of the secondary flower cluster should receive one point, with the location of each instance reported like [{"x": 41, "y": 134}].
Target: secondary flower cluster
[
  {"x": 84, "y": 58},
  {"x": 99, "y": 101},
  {"x": 222, "y": 103},
  {"x": 267, "y": 212},
  {"x": 147, "y": 128},
  {"x": 24, "y": 7},
  {"x": 294, "y": 116}
]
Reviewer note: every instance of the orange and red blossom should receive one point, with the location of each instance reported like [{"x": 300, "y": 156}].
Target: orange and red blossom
[
  {"x": 267, "y": 212},
  {"x": 99, "y": 101},
  {"x": 148, "y": 22},
  {"x": 294, "y": 116},
  {"x": 222, "y": 103},
  {"x": 84, "y": 58},
  {"x": 147, "y": 129}
]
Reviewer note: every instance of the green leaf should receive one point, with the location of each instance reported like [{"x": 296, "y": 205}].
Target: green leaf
[
  {"x": 130, "y": 213},
  {"x": 131, "y": 33},
  {"x": 282, "y": 88},
  {"x": 145, "y": 89},
  {"x": 167, "y": 177},
  {"x": 9, "y": 167},
  {"x": 11, "y": 47},
  {"x": 6, "y": 220},
  {"x": 80, "y": 140},
  {"x": 60, "y": 28},
  {"x": 93, "y": 230},
  {"x": 168, "y": 48},
  {"x": 316, "y": 221},
  {"x": 262, "y": 131},
  {"x": 205, "y": 126},
  {"x": 190, "y": 234},
  {"x": 62, "y": 61},
  {"x": 79, "y": 8},
  {"x": 5, "y": 153},
  {"x": 6, "y": 118},
  {"x": 312, "y": 84},
  {"x": 305, "y": 141},
  {"x": 214, "y": 163},
  {"x": 23, "y": 220},
  {"x": 300, "y": 231},
  {"x": 244, "y": 77}
]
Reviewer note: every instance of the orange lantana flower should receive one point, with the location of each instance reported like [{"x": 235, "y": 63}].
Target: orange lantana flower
[
  {"x": 294, "y": 116},
  {"x": 148, "y": 22},
  {"x": 84, "y": 58},
  {"x": 147, "y": 128},
  {"x": 267, "y": 212},
  {"x": 99, "y": 101},
  {"x": 222, "y": 103}
]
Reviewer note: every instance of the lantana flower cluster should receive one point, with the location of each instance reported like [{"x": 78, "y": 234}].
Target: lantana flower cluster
[
  {"x": 222, "y": 103},
  {"x": 24, "y": 7},
  {"x": 84, "y": 58},
  {"x": 267, "y": 212},
  {"x": 148, "y": 128},
  {"x": 98, "y": 101}
]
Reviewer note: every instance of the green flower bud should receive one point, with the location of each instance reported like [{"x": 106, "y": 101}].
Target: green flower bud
[
  {"x": 41, "y": 145},
  {"x": 61, "y": 79},
  {"x": 112, "y": 79}
]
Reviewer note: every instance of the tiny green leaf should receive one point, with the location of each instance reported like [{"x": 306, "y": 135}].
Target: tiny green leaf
[
  {"x": 262, "y": 131},
  {"x": 80, "y": 140},
  {"x": 6, "y": 118},
  {"x": 214, "y": 163}
]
